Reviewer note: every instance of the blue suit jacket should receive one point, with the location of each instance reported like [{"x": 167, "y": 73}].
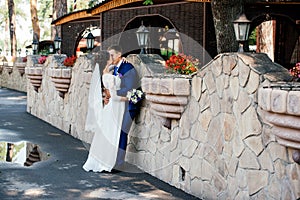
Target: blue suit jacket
[{"x": 129, "y": 81}]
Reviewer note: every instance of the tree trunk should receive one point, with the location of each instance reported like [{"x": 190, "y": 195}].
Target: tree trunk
[
  {"x": 12, "y": 26},
  {"x": 9, "y": 152},
  {"x": 35, "y": 20},
  {"x": 224, "y": 13},
  {"x": 59, "y": 9}
]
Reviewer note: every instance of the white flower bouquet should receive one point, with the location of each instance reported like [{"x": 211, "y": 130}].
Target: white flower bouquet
[{"x": 134, "y": 96}]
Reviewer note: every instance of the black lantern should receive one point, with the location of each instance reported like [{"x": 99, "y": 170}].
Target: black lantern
[
  {"x": 90, "y": 39},
  {"x": 241, "y": 29},
  {"x": 171, "y": 35},
  {"x": 142, "y": 35},
  {"x": 35, "y": 45},
  {"x": 51, "y": 50},
  {"x": 57, "y": 43},
  {"x": 19, "y": 52}
]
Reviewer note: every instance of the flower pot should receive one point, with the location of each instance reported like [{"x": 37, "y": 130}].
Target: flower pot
[
  {"x": 35, "y": 75},
  {"x": 61, "y": 77}
]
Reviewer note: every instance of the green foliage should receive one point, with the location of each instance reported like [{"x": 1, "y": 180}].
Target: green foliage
[
  {"x": 92, "y": 3},
  {"x": 80, "y": 5},
  {"x": 148, "y": 2},
  {"x": 44, "y": 11},
  {"x": 252, "y": 37}
]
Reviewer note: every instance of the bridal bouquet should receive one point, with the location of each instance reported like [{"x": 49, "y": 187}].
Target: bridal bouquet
[{"x": 134, "y": 96}]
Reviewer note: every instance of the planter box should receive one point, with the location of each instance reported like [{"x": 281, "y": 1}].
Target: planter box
[
  {"x": 280, "y": 103},
  {"x": 35, "y": 75},
  {"x": 1, "y": 67},
  {"x": 21, "y": 67},
  {"x": 8, "y": 67},
  {"x": 167, "y": 96},
  {"x": 61, "y": 77}
]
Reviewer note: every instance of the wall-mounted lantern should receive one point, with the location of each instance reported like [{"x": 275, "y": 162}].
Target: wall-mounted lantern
[
  {"x": 90, "y": 39},
  {"x": 51, "y": 50},
  {"x": 35, "y": 45},
  {"x": 241, "y": 29},
  {"x": 57, "y": 43},
  {"x": 142, "y": 35},
  {"x": 19, "y": 52},
  {"x": 171, "y": 36}
]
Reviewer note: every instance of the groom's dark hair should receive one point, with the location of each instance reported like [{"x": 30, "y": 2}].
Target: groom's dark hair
[{"x": 117, "y": 48}]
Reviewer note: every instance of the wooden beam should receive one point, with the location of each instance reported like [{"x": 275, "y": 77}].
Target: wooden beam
[
  {"x": 277, "y": 3},
  {"x": 72, "y": 17},
  {"x": 111, "y": 5},
  {"x": 199, "y": 1}
]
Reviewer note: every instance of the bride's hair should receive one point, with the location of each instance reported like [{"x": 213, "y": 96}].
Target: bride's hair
[{"x": 102, "y": 59}]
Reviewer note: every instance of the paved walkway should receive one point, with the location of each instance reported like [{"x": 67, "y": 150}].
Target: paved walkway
[{"x": 61, "y": 176}]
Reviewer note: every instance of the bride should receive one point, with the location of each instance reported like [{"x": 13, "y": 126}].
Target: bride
[{"x": 104, "y": 121}]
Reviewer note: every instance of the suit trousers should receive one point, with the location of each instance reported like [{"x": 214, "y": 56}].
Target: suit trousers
[{"x": 128, "y": 117}]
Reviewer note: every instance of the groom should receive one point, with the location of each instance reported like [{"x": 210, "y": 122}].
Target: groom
[{"x": 129, "y": 81}]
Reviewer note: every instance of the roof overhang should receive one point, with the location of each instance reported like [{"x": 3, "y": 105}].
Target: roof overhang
[
  {"x": 72, "y": 17},
  {"x": 100, "y": 8},
  {"x": 111, "y": 5}
]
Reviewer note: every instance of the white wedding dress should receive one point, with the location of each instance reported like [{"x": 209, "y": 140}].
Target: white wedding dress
[{"x": 105, "y": 122}]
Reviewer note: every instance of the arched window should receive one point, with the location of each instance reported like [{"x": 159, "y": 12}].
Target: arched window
[
  {"x": 81, "y": 47},
  {"x": 163, "y": 37}
]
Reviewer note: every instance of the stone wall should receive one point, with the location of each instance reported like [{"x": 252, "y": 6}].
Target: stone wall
[
  {"x": 220, "y": 146},
  {"x": 67, "y": 112},
  {"x": 12, "y": 75}
]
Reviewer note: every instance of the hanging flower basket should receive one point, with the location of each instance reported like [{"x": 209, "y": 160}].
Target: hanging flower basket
[{"x": 61, "y": 77}]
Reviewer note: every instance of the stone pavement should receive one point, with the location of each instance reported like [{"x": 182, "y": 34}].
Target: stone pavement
[{"x": 61, "y": 176}]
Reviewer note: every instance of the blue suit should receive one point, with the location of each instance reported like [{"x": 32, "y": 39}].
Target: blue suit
[{"x": 129, "y": 80}]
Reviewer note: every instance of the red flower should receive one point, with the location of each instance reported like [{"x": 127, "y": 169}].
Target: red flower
[
  {"x": 295, "y": 72},
  {"x": 182, "y": 64},
  {"x": 177, "y": 67},
  {"x": 42, "y": 59},
  {"x": 69, "y": 61},
  {"x": 180, "y": 61},
  {"x": 193, "y": 69}
]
